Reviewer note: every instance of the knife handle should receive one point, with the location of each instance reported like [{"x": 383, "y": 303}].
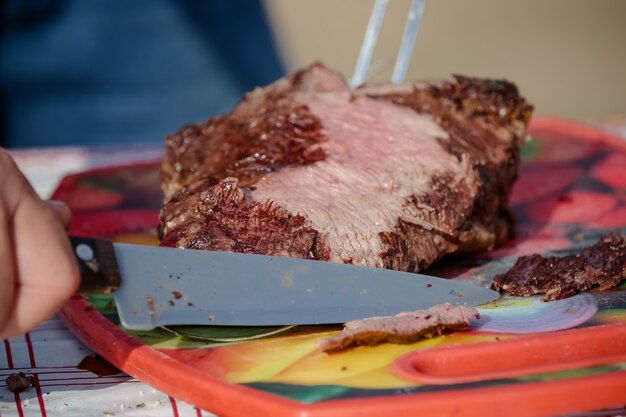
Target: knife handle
[{"x": 99, "y": 273}]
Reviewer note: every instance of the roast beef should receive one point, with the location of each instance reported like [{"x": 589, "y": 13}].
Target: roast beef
[
  {"x": 384, "y": 176},
  {"x": 402, "y": 328},
  {"x": 600, "y": 266}
]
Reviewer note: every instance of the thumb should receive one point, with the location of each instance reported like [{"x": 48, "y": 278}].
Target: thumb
[{"x": 61, "y": 211}]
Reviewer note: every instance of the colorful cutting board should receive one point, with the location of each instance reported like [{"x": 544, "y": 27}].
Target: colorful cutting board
[{"x": 529, "y": 359}]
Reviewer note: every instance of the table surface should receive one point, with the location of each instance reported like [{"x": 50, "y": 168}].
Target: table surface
[{"x": 52, "y": 353}]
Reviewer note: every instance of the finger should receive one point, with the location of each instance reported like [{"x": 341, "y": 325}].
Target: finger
[
  {"x": 45, "y": 266},
  {"x": 7, "y": 279},
  {"x": 61, "y": 211}
]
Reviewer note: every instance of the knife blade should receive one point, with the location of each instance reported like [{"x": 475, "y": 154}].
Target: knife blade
[{"x": 155, "y": 286}]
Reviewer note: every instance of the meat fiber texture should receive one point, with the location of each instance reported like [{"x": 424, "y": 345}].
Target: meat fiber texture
[
  {"x": 383, "y": 176},
  {"x": 601, "y": 266},
  {"x": 402, "y": 328}
]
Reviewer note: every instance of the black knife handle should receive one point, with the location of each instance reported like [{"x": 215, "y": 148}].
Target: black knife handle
[{"x": 99, "y": 273}]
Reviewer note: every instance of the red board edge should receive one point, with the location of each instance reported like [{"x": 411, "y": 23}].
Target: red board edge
[
  {"x": 580, "y": 130},
  {"x": 541, "y": 353},
  {"x": 164, "y": 373},
  {"x": 537, "y": 399}
]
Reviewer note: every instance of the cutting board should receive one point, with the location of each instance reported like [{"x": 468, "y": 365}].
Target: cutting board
[{"x": 531, "y": 359}]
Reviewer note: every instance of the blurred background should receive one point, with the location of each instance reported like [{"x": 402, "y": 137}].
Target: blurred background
[
  {"x": 108, "y": 72},
  {"x": 567, "y": 56}
]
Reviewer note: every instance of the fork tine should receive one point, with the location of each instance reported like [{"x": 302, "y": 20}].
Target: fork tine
[
  {"x": 371, "y": 36},
  {"x": 408, "y": 40},
  {"x": 369, "y": 43}
]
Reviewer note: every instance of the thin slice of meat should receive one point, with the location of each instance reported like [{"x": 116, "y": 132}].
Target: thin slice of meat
[
  {"x": 402, "y": 328},
  {"x": 382, "y": 176},
  {"x": 600, "y": 266}
]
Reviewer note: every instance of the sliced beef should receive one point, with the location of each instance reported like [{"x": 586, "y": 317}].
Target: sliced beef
[
  {"x": 402, "y": 328},
  {"x": 601, "y": 266},
  {"x": 383, "y": 176}
]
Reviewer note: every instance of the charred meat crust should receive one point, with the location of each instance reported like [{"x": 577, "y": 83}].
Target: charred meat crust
[
  {"x": 498, "y": 101},
  {"x": 215, "y": 215},
  {"x": 602, "y": 265},
  {"x": 243, "y": 147},
  {"x": 442, "y": 215}
]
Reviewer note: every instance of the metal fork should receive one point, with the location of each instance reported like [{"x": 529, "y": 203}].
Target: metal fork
[{"x": 371, "y": 36}]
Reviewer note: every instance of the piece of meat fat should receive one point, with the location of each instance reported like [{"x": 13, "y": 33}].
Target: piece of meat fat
[{"x": 408, "y": 327}]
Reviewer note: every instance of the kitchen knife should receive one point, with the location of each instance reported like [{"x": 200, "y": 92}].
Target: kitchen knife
[{"x": 155, "y": 286}]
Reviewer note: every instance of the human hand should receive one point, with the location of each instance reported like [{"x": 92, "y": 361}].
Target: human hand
[{"x": 38, "y": 270}]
